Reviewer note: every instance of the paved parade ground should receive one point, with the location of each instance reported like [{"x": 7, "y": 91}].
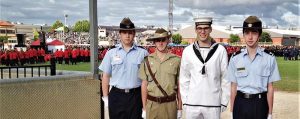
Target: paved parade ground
[{"x": 286, "y": 106}]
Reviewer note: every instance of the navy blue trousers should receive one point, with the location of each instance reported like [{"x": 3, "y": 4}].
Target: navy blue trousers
[
  {"x": 255, "y": 108},
  {"x": 125, "y": 105}
]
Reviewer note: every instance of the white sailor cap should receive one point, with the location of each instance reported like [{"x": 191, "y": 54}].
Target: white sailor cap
[{"x": 203, "y": 21}]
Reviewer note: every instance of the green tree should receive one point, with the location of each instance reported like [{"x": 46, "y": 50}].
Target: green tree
[
  {"x": 35, "y": 34},
  {"x": 234, "y": 38},
  {"x": 184, "y": 43},
  {"x": 177, "y": 38},
  {"x": 82, "y": 26},
  {"x": 56, "y": 25},
  {"x": 265, "y": 37},
  {"x": 4, "y": 39}
]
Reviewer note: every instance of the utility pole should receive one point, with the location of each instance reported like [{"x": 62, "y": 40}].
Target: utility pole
[
  {"x": 66, "y": 16},
  {"x": 171, "y": 16},
  {"x": 94, "y": 37}
]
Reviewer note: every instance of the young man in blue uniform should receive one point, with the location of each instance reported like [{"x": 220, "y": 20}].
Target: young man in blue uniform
[
  {"x": 120, "y": 72},
  {"x": 252, "y": 73}
]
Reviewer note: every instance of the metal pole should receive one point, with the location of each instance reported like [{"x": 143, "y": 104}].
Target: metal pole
[
  {"x": 94, "y": 37},
  {"x": 94, "y": 46}
]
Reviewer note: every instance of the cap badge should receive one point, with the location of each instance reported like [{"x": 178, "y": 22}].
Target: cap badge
[{"x": 249, "y": 25}]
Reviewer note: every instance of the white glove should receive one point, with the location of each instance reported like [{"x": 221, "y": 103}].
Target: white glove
[
  {"x": 223, "y": 108},
  {"x": 270, "y": 116},
  {"x": 105, "y": 100},
  {"x": 144, "y": 114},
  {"x": 179, "y": 114},
  {"x": 231, "y": 115},
  {"x": 184, "y": 107}
]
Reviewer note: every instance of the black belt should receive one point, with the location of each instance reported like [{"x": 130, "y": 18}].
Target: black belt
[
  {"x": 126, "y": 90},
  {"x": 251, "y": 96}
]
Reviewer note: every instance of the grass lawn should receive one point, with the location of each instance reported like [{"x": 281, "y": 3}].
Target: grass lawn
[
  {"x": 290, "y": 76},
  {"x": 289, "y": 72},
  {"x": 79, "y": 67}
]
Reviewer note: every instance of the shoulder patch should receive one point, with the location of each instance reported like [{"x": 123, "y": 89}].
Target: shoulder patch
[
  {"x": 268, "y": 52},
  {"x": 141, "y": 47},
  {"x": 236, "y": 53},
  {"x": 145, "y": 57}
]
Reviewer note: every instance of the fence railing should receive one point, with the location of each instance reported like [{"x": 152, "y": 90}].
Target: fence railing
[{"x": 17, "y": 69}]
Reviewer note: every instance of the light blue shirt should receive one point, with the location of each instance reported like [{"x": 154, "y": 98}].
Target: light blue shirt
[
  {"x": 253, "y": 76},
  {"x": 123, "y": 66}
]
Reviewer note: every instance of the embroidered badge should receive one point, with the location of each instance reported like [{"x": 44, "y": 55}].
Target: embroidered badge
[
  {"x": 249, "y": 25},
  {"x": 116, "y": 58},
  {"x": 240, "y": 69}
]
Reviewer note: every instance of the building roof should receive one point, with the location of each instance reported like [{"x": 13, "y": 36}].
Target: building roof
[
  {"x": 55, "y": 42},
  {"x": 36, "y": 43},
  {"x": 279, "y": 33},
  {"x": 5, "y": 24},
  {"x": 217, "y": 32}
]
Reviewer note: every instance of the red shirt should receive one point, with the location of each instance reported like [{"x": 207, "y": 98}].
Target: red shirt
[
  {"x": 21, "y": 55},
  {"x": 13, "y": 55},
  {"x": 66, "y": 53},
  {"x": 74, "y": 53}
]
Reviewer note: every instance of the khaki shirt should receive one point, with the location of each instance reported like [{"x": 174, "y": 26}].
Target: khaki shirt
[{"x": 166, "y": 73}]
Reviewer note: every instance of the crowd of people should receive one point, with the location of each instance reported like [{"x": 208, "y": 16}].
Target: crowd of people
[
  {"x": 287, "y": 52},
  {"x": 15, "y": 57},
  {"x": 74, "y": 54},
  {"x": 71, "y": 55}
]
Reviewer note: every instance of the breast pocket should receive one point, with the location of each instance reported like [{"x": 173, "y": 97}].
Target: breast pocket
[
  {"x": 241, "y": 77},
  {"x": 116, "y": 65},
  {"x": 136, "y": 64},
  {"x": 264, "y": 74},
  {"x": 241, "y": 74},
  {"x": 171, "y": 71}
]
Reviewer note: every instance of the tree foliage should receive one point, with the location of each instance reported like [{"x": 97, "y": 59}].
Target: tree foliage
[
  {"x": 56, "y": 25},
  {"x": 265, "y": 37},
  {"x": 234, "y": 38},
  {"x": 184, "y": 43},
  {"x": 82, "y": 26},
  {"x": 3, "y": 39},
  {"x": 35, "y": 34},
  {"x": 177, "y": 38}
]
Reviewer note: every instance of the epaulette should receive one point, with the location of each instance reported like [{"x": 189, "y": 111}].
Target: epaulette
[
  {"x": 141, "y": 47},
  {"x": 268, "y": 52},
  {"x": 236, "y": 53},
  {"x": 145, "y": 57}
]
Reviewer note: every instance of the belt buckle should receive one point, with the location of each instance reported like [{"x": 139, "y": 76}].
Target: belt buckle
[
  {"x": 126, "y": 90},
  {"x": 158, "y": 100},
  {"x": 247, "y": 95}
]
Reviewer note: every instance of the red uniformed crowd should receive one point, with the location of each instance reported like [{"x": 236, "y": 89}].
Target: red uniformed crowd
[
  {"x": 71, "y": 55},
  {"x": 15, "y": 58}
]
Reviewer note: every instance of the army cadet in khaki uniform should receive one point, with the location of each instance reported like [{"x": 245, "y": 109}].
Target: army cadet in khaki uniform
[{"x": 160, "y": 95}]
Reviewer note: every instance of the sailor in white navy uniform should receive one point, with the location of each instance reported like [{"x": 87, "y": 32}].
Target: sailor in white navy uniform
[
  {"x": 204, "y": 92},
  {"x": 251, "y": 73}
]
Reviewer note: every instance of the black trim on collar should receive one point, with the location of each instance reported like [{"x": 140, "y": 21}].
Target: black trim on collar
[{"x": 209, "y": 55}]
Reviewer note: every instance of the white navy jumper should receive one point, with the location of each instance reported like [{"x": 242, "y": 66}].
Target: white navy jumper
[{"x": 204, "y": 89}]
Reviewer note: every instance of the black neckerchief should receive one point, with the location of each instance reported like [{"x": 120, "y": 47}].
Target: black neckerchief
[{"x": 212, "y": 50}]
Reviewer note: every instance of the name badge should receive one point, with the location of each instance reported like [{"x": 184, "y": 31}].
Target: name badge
[
  {"x": 241, "y": 69},
  {"x": 116, "y": 58}
]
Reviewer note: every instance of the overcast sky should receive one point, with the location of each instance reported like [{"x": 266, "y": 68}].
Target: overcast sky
[{"x": 283, "y": 13}]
